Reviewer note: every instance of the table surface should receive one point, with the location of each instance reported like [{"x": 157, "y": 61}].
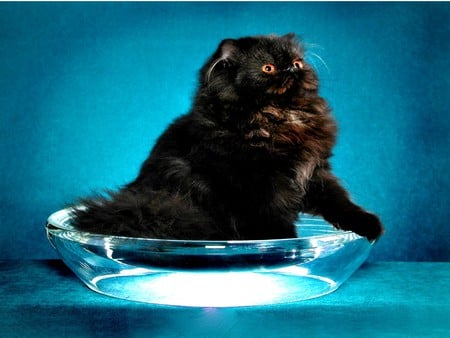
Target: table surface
[{"x": 45, "y": 299}]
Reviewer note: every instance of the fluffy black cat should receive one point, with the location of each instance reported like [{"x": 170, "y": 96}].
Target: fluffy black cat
[{"x": 251, "y": 154}]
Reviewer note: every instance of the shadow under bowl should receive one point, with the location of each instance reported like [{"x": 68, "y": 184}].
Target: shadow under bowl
[{"x": 211, "y": 273}]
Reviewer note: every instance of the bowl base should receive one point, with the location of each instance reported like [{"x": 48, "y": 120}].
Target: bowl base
[{"x": 214, "y": 289}]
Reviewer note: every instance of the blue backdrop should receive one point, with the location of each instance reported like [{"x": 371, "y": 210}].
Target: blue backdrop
[{"x": 85, "y": 89}]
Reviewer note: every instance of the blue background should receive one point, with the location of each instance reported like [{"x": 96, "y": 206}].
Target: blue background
[{"x": 85, "y": 89}]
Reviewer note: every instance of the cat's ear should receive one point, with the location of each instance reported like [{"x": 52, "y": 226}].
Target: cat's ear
[
  {"x": 224, "y": 56},
  {"x": 291, "y": 37},
  {"x": 227, "y": 49},
  {"x": 294, "y": 41}
]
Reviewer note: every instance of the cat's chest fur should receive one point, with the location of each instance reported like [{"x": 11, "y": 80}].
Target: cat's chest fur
[
  {"x": 271, "y": 152},
  {"x": 292, "y": 140}
]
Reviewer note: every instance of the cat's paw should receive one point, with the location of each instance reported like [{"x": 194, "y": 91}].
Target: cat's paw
[{"x": 366, "y": 224}]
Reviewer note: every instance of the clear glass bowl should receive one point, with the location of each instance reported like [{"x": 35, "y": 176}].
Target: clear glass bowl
[{"x": 211, "y": 273}]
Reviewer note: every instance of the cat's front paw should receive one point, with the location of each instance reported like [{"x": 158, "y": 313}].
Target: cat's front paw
[{"x": 365, "y": 224}]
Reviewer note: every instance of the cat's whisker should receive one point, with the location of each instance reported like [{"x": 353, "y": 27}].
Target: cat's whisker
[
  {"x": 210, "y": 70},
  {"x": 317, "y": 56},
  {"x": 208, "y": 74},
  {"x": 313, "y": 45}
]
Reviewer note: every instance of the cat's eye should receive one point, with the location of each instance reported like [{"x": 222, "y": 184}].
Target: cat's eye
[
  {"x": 298, "y": 64},
  {"x": 268, "y": 69}
]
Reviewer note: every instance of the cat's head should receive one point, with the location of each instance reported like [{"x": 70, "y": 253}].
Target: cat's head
[{"x": 258, "y": 67}]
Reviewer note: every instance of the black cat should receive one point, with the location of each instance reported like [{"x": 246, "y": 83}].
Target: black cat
[{"x": 252, "y": 153}]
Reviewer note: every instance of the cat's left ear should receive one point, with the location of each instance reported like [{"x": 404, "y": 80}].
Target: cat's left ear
[
  {"x": 224, "y": 56},
  {"x": 291, "y": 37}
]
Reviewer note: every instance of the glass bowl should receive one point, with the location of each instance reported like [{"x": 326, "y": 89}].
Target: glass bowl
[{"x": 211, "y": 273}]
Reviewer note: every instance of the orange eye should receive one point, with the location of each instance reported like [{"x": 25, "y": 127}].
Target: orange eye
[
  {"x": 268, "y": 69},
  {"x": 298, "y": 64}
]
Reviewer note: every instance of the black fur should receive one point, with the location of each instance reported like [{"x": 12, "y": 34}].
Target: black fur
[{"x": 250, "y": 155}]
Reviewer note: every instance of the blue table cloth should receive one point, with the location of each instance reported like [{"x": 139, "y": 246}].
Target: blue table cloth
[{"x": 45, "y": 299}]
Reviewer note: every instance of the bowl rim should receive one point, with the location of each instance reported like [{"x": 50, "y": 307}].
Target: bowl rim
[{"x": 55, "y": 223}]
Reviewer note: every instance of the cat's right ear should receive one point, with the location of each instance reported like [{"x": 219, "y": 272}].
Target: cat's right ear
[
  {"x": 227, "y": 49},
  {"x": 224, "y": 56}
]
